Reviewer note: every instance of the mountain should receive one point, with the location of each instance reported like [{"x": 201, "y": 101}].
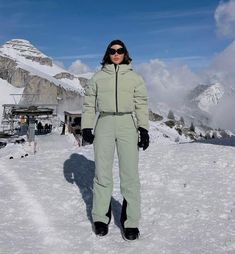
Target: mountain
[
  {"x": 203, "y": 109},
  {"x": 36, "y": 79},
  {"x": 23, "y": 66},
  {"x": 206, "y": 104},
  {"x": 206, "y": 97}
]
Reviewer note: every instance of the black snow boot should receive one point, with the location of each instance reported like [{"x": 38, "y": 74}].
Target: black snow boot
[
  {"x": 131, "y": 233},
  {"x": 101, "y": 229},
  {"x": 127, "y": 233}
]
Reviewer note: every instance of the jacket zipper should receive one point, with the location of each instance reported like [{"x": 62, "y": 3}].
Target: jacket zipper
[{"x": 116, "y": 88}]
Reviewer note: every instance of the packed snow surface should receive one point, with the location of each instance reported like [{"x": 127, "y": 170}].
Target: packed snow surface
[{"x": 187, "y": 205}]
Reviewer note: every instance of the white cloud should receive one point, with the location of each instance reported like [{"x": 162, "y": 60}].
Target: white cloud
[
  {"x": 222, "y": 66},
  {"x": 167, "y": 83},
  {"x": 225, "y": 61},
  {"x": 78, "y": 67},
  {"x": 225, "y": 18},
  {"x": 222, "y": 71},
  {"x": 223, "y": 116}
]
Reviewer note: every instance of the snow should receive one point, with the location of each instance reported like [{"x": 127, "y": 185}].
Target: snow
[
  {"x": 187, "y": 194},
  {"x": 68, "y": 84},
  {"x": 18, "y": 47},
  {"x": 165, "y": 135}
]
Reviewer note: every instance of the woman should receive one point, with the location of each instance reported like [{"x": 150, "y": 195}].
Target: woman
[{"x": 119, "y": 95}]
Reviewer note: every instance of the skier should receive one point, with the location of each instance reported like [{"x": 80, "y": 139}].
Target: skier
[{"x": 119, "y": 95}]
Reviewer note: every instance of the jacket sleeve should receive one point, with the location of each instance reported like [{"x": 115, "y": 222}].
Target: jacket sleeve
[
  {"x": 141, "y": 105},
  {"x": 89, "y": 105}
]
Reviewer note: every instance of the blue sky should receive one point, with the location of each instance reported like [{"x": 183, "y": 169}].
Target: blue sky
[{"x": 181, "y": 30}]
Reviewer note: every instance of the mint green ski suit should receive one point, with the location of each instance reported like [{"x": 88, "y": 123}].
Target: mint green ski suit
[{"x": 120, "y": 97}]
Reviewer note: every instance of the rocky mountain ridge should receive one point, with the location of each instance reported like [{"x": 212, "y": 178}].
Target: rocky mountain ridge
[
  {"x": 22, "y": 48},
  {"x": 22, "y": 65}
]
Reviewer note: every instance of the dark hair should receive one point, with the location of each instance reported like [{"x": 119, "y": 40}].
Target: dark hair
[{"x": 106, "y": 59}]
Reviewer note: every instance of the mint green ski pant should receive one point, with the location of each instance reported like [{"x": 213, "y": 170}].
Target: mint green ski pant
[{"x": 116, "y": 131}]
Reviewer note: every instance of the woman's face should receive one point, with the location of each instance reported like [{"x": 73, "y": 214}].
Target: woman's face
[{"x": 116, "y": 54}]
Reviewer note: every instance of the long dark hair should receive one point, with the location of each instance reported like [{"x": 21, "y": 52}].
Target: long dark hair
[{"x": 106, "y": 58}]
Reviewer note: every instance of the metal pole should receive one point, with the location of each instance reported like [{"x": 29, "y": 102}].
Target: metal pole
[{"x": 31, "y": 129}]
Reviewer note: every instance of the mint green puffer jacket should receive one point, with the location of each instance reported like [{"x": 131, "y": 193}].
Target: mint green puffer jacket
[{"x": 119, "y": 90}]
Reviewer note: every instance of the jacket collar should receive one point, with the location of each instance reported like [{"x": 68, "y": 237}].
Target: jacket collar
[{"x": 121, "y": 68}]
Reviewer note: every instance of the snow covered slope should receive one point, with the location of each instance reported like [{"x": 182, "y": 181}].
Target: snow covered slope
[{"x": 187, "y": 195}]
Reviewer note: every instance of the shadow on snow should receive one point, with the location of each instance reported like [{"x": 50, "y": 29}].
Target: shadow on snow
[{"x": 81, "y": 171}]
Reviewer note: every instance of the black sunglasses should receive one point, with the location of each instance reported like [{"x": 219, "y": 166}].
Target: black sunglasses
[{"x": 119, "y": 51}]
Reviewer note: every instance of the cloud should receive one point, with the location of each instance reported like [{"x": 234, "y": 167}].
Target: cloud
[
  {"x": 225, "y": 61},
  {"x": 225, "y": 18},
  {"x": 222, "y": 70},
  {"x": 78, "y": 67},
  {"x": 223, "y": 116},
  {"x": 222, "y": 66},
  {"x": 167, "y": 83}
]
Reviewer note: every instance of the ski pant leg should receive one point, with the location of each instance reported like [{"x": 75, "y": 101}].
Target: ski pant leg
[
  {"x": 127, "y": 150},
  {"x": 104, "y": 147}
]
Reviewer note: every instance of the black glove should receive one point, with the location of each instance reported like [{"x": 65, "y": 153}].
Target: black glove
[
  {"x": 87, "y": 135},
  {"x": 143, "y": 138}
]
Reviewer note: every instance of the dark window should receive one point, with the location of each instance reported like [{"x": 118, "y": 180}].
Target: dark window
[{"x": 77, "y": 120}]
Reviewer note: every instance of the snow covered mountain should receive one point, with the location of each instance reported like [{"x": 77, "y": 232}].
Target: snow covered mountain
[
  {"x": 21, "y": 50},
  {"x": 24, "y": 66},
  {"x": 206, "y": 97},
  {"x": 205, "y": 103}
]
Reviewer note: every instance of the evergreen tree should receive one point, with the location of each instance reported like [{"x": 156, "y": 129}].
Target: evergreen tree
[
  {"x": 171, "y": 115},
  {"x": 182, "y": 120},
  {"x": 192, "y": 128}
]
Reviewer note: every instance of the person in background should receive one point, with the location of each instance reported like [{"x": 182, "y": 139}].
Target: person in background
[{"x": 119, "y": 95}]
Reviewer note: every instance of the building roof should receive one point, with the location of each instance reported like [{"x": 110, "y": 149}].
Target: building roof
[{"x": 73, "y": 112}]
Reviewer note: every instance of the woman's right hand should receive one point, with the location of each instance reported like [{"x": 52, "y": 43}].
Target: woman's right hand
[{"x": 143, "y": 138}]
